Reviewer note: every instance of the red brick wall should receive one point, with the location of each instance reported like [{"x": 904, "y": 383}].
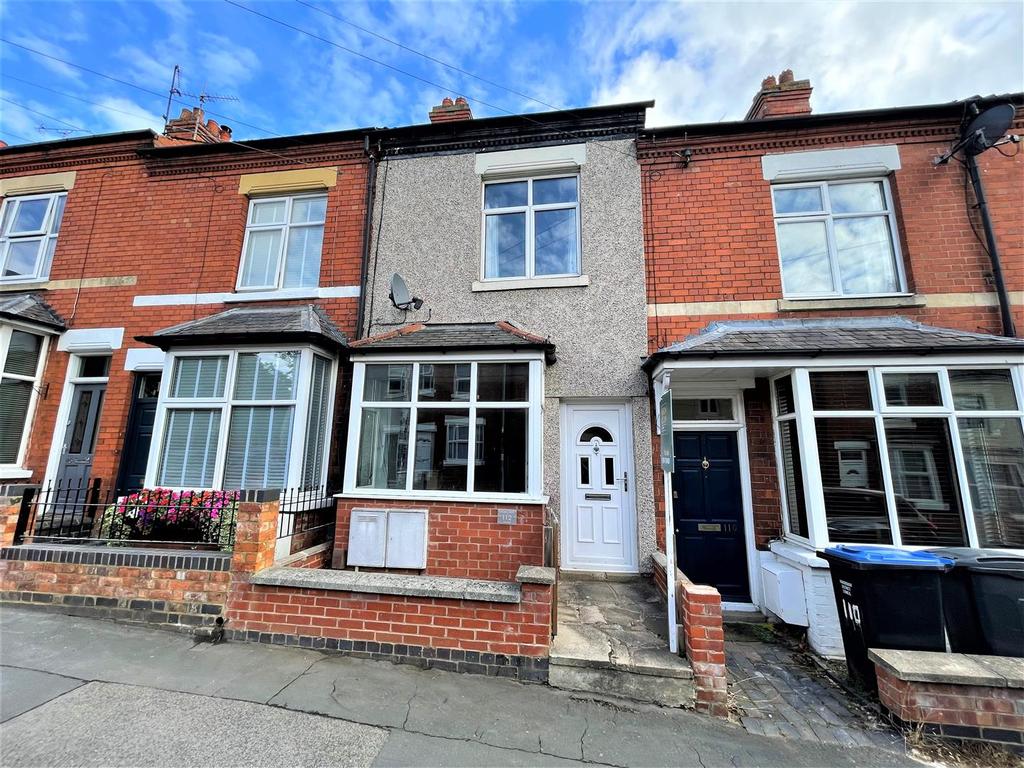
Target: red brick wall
[
  {"x": 699, "y": 615},
  {"x": 963, "y": 711},
  {"x": 465, "y": 539},
  {"x": 177, "y": 226},
  {"x": 709, "y": 237},
  {"x": 764, "y": 478},
  {"x": 710, "y": 234},
  {"x": 523, "y": 629}
]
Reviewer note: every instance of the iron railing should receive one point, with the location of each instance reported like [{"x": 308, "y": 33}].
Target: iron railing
[
  {"x": 306, "y": 518},
  {"x": 86, "y": 512}
]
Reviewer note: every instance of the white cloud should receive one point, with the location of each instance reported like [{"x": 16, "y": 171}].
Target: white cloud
[
  {"x": 37, "y": 43},
  {"x": 115, "y": 113},
  {"x": 704, "y": 61}
]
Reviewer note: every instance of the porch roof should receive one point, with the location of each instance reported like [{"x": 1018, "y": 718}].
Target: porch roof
[
  {"x": 29, "y": 308},
  {"x": 245, "y": 325},
  {"x": 829, "y": 337},
  {"x": 450, "y": 337}
]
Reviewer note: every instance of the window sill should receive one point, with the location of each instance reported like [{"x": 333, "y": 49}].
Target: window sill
[
  {"x": 291, "y": 293},
  {"x": 797, "y": 551},
  {"x": 852, "y": 302},
  {"x": 14, "y": 473},
  {"x": 580, "y": 281},
  {"x": 413, "y": 496}
]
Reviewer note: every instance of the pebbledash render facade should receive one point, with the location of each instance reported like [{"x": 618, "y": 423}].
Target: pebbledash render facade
[
  {"x": 822, "y": 311},
  {"x": 523, "y": 239}
]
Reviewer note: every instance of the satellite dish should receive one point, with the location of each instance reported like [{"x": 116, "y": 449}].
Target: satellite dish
[
  {"x": 987, "y": 128},
  {"x": 400, "y": 295}
]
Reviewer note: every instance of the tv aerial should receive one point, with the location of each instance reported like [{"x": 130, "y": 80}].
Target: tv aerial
[
  {"x": 986, "y": 130},
  {"x": 400, "y": 295}
]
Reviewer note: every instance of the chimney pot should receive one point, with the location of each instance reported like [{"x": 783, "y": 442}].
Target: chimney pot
[
  {"x": 450, "y": 111},
  {"x": 784, "y": 97}
]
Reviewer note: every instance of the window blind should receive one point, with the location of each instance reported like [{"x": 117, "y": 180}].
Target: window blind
[
  {"x": 259, "y": 438},
  {"x": 190, "y": 448},
  {"x": 316, "y": 428}
]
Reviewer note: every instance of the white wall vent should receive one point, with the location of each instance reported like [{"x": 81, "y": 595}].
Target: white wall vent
[{"x": 388, "y": 538}]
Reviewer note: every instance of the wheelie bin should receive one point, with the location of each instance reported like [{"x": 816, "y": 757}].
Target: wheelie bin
[
  {"x": 886, "y": 598},
  {"x": 983, "y": 601}
]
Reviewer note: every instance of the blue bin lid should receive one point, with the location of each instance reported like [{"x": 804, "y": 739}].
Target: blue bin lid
[{"x": 888, "y": 557}]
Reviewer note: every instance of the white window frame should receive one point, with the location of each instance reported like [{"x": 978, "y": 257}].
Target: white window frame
[
  {"x": 46, "y": 235},
  {"x": 227, "y": 402},
  {"x": 285, "y": 229},
  {"x": 17, "y": 469},
  {"x": 533, "y": 405},
  {"x": 828, "y": 217},
  {"x": 807, "y": 436},
  {"x": 529, "y": 210}
]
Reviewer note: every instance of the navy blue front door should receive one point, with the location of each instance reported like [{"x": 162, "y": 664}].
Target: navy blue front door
[{"x": 708, "y": 508}]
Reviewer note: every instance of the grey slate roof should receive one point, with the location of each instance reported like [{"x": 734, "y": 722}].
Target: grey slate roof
[
  {"x": 29, "y": 308},
  {"x": 831, "y": 336},
  {"x": 307, "y": 323},
  {"x": 418, "y": 337}
]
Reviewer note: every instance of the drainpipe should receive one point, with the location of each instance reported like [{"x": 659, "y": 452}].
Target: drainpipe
[
  {"x": 997, "y": 270},
  {"x": 371, "y": 192}
]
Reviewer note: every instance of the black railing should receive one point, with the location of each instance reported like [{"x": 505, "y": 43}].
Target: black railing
[
  {"x": 307, "y": 517},
  {"x": 85, "y": 512}
]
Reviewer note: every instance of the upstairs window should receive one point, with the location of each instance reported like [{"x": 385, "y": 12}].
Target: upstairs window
[
  {"x": 531, "y": 228},
  {"x": 28, "y": 236},
  {"x": 283, "y": 242},
  {"x": 837, "y": 239}
]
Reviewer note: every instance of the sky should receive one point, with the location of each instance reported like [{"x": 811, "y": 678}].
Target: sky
[{"x": 302, "y": 66}]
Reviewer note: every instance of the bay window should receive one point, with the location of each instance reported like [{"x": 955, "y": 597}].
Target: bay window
[
  {"x": 228, "y": 420},
  {"x": 22, "y": 356},
  {"x": 420, "y": 422},
  {"x": 910, "y": 457}
]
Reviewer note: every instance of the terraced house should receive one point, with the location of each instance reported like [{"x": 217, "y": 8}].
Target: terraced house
[{"x": 833, "y": 332}]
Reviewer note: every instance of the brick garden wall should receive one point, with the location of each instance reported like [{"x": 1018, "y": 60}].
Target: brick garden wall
[
  {"x": 973, "y": 712},
  {"x": 170, "y": 588},
  {"x": 699, "y": 617},
  {"x": 465, "y": 539}
]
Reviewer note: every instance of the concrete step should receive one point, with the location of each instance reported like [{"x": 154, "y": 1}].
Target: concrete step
[{"x": 664, "y": 691}]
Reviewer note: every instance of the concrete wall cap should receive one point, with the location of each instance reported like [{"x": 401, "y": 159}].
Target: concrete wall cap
[
  {"x": 390, "y": 584},
  {"x": 936, "y": 667},
  {"x": 535, "y": 574}
]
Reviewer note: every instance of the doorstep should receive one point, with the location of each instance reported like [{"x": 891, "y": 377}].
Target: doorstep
[{"x": 612, "y": 640}]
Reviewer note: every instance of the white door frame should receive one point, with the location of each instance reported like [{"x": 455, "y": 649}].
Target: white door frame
[
  {"x": 626, "y": 454},
  {"x": 738, "y": 424}
]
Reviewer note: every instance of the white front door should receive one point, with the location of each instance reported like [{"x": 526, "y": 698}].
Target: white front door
[{"x": 599, "y": 513}]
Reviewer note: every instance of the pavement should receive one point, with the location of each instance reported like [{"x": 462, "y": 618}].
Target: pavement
[
  {"x": 83, "y": 692},
  {"x": 779, "y": 692}
]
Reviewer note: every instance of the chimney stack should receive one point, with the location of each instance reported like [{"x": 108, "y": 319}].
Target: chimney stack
[
  {"x": 782, "y": 98},
  {"x": 449, "y": 111},
  {"x": 190, "y": 126}
]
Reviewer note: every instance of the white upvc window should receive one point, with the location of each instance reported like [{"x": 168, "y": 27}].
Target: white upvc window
[
  {"x": 22, "y": 358},
  {"x": 410, "y": 431},
  {"x": 531, "y": 228},
  {"x": 28, "y": 236},
  {"x": 245, "y": 418},
  {"x": 283, "y": 243},
  {"x": 908, "y": 456},
  {"x": 837, "y": 239}
]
